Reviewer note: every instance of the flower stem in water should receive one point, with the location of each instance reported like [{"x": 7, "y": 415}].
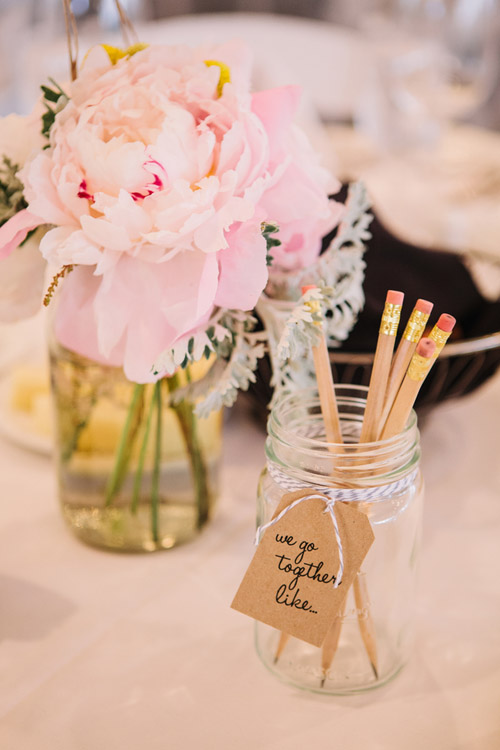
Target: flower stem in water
[
  {"x": 142, "y": 455},
  {"x": 188, "y": 423},
  {"x": 155, "y": 497},
  {"x": 127, "y": 439}
]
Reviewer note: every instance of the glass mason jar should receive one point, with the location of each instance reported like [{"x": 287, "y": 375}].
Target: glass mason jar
[
  {"x": 135, "y": 473},
  {"x": 375, "y": 630}
]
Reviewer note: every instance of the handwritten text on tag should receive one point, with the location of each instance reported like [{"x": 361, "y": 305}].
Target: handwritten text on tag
[{"x": 290, "y": 581}]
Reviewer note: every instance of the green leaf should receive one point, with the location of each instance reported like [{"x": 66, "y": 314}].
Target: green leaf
[
  {"x": 56, "y": 96},
  {"x": 11, "y": 190},
  {"x": 267, "y": 230},
  {"x": 271, "y": 242},
  {"x": 47, "y": 121},
  {"x": 49, "y": 95}
]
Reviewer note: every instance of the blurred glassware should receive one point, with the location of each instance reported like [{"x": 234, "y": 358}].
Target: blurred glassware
[
  {"x": 108, "y": 13},
  {"x": 14, "y": 18},
  {"x": 433, "y": 61}
]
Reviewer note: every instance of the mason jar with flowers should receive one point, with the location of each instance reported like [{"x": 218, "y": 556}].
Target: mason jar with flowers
[{"x": 164, "y": 190}]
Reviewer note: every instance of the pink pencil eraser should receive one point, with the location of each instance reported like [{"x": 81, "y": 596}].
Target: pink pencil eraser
[
  {"x": 394, "y": 298},
  {"x": 426, "y": 347},
  {"x": 446, "y": 322},
  {"x": 424, "y": 306},
  {"x": 307, "y": 287}
]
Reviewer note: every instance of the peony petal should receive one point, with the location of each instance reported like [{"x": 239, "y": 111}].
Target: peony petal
[
  {"x": 189, "y": 282},
  {"x": 39, "y": 178},
  {"x": 105, "y": 234},
  {"x": 116, "y": 303},
  {"x": 243, "y": 270},
  {"x": 16, "y": 229},
  {"x": 64, "y": 246},
  {"x": 144, "y": 343},
  {"x": 140, "y": 309},
  {"x": 276, "y": 108},
  {"x": 132, "y": 216},
  {"x": 110, "y": 166},
  {"x": 75, "y": 324},
  {"x": 23, "y": 282}
]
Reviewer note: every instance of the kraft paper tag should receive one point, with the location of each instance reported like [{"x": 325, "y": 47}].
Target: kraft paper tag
[{"x": 290, "y": 581}]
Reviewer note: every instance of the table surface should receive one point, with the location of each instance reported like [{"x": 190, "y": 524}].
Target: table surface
[{"x": 103, "y": 650}]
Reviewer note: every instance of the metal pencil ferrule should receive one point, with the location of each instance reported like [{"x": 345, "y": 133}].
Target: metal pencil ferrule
[
  {"x": 419, "y": 366},
  {"x": 390, "y": 319},
  {"x": 415, "y": 326},
  {"x": 440, "y": 337}
]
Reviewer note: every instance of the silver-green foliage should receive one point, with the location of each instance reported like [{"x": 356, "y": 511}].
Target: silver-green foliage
[
  {"x": 294, "y": 366},
  {"x": 237, "y": 347}
]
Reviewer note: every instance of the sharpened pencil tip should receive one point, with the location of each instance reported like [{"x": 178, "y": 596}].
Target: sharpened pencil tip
[
  {"x": 374, "y": 670},
  {"x": 323, "y": 680},
  {"x": 276, "y": 659}
]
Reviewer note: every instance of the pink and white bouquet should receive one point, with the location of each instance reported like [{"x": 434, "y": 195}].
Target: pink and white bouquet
[{"x": 168, "y": 193}]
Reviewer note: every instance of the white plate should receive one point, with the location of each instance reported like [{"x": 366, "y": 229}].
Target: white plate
[{"x": 19, "y": 428}]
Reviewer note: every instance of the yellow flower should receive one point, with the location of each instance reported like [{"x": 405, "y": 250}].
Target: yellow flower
[
  {"x": 116, "y": 53},
  {"x": 225, "y": 74}
]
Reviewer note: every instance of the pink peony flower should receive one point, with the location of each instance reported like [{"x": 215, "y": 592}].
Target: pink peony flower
[
  {"x": 22, "y": 274},
  {"x": 23, "y": 282},
  {"x": 15, "y": 231},
  {"x": 157, "y": 181},
  {"x": 20, "y": 137}
]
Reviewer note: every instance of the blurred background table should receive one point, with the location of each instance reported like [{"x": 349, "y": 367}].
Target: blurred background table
[{"x": 375, "y": 107}]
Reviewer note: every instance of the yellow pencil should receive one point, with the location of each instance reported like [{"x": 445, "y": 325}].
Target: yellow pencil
[
  {"x": 381, "y": 366},
  {"x": 412, "y": 334},
  {"x": 418, "y": 370}
]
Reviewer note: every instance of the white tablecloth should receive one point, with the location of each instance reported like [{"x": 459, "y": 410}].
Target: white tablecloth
[{"x": 102, "y": 651}]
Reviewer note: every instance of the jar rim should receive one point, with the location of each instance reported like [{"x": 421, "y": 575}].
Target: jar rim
[
  {"x": 310, "y": 397},
  {"x": 314, "y": 460}
]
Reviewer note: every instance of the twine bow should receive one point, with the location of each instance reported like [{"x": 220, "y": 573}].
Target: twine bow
[
  {"x": 330, "y": 496},
  {"x": 329, "y": 508}
]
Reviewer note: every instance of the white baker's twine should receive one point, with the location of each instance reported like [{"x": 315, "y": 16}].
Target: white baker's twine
[
  {"x": 344, "y": 495},
  {"x": 333, "y": 495},
  {"x": 329, "y": 503}
]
